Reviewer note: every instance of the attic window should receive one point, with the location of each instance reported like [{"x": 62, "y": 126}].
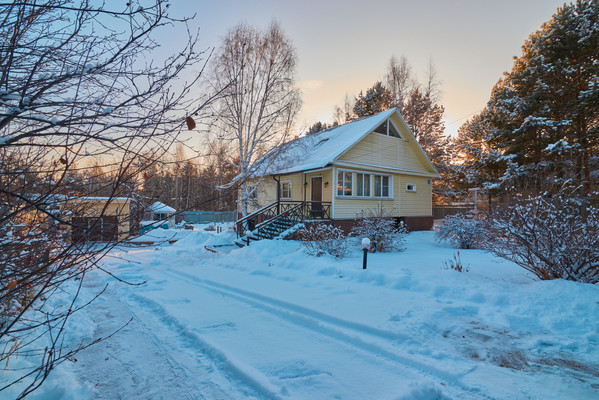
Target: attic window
[{"x": 387, "y": 128}]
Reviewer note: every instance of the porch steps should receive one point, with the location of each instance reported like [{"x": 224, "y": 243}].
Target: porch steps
[
  {"x": 269, "y": 231},
  {"x": 275, "y": 228}
]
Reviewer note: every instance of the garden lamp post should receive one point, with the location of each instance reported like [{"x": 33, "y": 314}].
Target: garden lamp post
[{"x": 365, "y": 248}]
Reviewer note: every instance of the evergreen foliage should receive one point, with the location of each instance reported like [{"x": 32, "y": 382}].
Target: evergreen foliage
[
  {"x": 377, "y": 99},
  {"x": 543, "y": 116},
  {"x": 317, "y": 127}
]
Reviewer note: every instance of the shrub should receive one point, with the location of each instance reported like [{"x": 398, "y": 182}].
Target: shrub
[
  {"x": 463, "y": 231},
  {"x": 555, "y": 238},
  {"x": 385, "y": 233},
  {"x": 320, "y": 239}
]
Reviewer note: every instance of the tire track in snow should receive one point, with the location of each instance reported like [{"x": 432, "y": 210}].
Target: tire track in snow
[
  {"x": 327, "y": 325},
  {"x": 238, "y": 371}
]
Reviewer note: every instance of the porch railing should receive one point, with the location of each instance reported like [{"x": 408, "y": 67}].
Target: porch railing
[{"x": 299, "y": 211}]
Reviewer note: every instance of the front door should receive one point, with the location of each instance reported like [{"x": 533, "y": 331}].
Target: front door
[{"x": 316, "y": 197}]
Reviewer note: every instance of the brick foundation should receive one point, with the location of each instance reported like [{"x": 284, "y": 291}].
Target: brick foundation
[
  {"x": 346, "y": 225},
  {"x": 418, "y": 223}
]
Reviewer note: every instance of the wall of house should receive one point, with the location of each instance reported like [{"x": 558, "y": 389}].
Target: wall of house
[
  {"x": 402, "y": 203},
  {"x": 377, "y": 149},
  {"x": 327, "y": 183},
  {"x": 95, "y": 208},
  {"x": 416, "y": 204},
  {"x": 352, "y": 207}
]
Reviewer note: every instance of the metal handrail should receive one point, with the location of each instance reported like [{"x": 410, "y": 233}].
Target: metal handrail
[
  {"x": 283, "y": 214},
  {"x": 255, "y": 212},
  {"x": 299, "y": 210}
]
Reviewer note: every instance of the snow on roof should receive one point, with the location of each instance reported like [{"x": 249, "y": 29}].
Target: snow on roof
[
  {"x": 98, "y": 198},
  {"x": 320, "y": 149},
  {"x": 161, "y": 208}
]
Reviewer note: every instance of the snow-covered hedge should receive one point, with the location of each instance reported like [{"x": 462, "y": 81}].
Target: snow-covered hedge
[
  {"x": 385, "y": 233},
  {"x": 463, "y": 231},
  {"x": 320, "y": 239},
  {"x": 554, "y": 238}
]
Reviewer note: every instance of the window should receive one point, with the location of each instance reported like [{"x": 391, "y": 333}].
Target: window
[
  {"x": 363, "y": 185},
  {"x": 344, "y": 183},
  {"x": 286, "y": 190},
  {"x": 410, "y": 187},
  {"x": 381, "y": 186},
  {"x": 252, "y": 192},
  {"x": 388, "y": 129}
]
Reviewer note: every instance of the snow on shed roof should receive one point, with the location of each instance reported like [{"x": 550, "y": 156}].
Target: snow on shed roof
[
  {"x": 161, "y": 208},
  {"x": 322, "y": 148}
]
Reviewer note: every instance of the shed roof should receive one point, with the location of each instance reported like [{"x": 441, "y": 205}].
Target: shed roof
[{"x": 161, "y": 208}]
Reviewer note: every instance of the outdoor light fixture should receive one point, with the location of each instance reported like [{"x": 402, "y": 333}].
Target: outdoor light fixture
[
  {"x": 365, "y": 247},
  {"x": 326, "y": 184}
]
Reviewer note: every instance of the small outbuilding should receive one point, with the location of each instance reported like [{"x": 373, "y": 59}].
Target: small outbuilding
[
  {"x": 163, "y": 213},
  {"x": 99, "y": 218}
]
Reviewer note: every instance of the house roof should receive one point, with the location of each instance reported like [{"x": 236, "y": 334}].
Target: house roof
[
  {"x": 320, "y": 149},
  {"x": 161, "y": 208},
  {"x": 323, "y": 148}
]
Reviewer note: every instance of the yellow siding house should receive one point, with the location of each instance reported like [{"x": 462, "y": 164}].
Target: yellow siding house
[{"x": 370, "y": 166}]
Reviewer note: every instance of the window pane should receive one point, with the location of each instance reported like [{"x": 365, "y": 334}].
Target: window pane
[
  {"x": 377, "y": 186},
  {"x": 385, "y": 186},
  {"x": 360, "y": 184},
  {"x": 382, "y": 128},
  {"x": 366, "y": 185},
  {"x": 286, "y": 190},
  {"x": 340, "y": 183},
  {"x": 347, "y": 184}
]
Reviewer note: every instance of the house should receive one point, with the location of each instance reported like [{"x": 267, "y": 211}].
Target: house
[
  {"x": 100, "y": 218},
  {"x": 164, "y": 213},
  {"x": 372, "y": 165},
  {"x": 158, "y": 215}
]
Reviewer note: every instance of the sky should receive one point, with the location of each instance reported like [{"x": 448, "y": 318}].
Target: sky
[{"x": 343, "y": 47}]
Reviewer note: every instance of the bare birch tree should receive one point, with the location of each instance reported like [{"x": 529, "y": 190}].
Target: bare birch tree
[
  {"x": 76, "y": 95},
  {"x": 400, "y": 81},
  {"x": 256, "y": 111}
]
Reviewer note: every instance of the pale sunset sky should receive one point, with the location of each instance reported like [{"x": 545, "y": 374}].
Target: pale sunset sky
[{"x": 344, "y": 46}]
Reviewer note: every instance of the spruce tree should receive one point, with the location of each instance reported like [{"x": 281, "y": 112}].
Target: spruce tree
[
  {"x": 544, "y": 114},
  {"x": 377, "y": 99}
]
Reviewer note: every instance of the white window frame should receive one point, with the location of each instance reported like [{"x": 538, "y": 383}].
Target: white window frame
[
  {"x": 252, "y": 193},
  {"x": 366, "y": 189},
  {"x": 343, "y": 182},
  {"x": 389, "y": 186},
  {"x": 290, "y": 183},
  {"x": 411, "y": 187},
  {"x": 388, "y": 121}
]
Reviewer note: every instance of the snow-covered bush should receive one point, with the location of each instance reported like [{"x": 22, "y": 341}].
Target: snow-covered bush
[
  {"x": 555, "y": 238},
  {"x": 320, "y": 239},
  {"x": 385, "y": 233},
  {"x": 463, "y": 231}
]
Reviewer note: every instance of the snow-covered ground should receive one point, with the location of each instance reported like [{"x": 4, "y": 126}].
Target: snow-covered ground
[{"x": 270, "y": 322}]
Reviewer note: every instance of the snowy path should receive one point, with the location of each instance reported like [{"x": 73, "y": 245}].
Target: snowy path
[
  {"x": 144, "y": 360},
  {"x": 268, "y": 322},
  {"x": 353, "y": 336}
]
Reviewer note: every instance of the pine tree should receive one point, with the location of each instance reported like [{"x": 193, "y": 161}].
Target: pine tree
[
  {"x": 425, "y": 119},
  {"x": 377, "y": 99},
  {"x": 476, "y": 163},
  {"x": 544, "y": 114}
]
